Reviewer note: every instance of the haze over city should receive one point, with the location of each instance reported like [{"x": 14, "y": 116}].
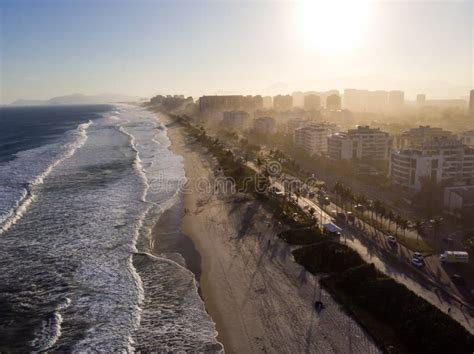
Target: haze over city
[
  {"x": 240, "y": 176},
  {"x": 53, "y": 48}
]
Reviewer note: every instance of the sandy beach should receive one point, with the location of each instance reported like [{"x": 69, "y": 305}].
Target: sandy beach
[{"x": 259, "y": 298}]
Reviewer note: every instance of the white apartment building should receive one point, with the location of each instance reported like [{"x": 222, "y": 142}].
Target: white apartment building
[
  {"x": 294, "y": 124},
  {"x": 444, "y": 160},
  {"x": 265, "y": 125},
  {"x": 360, "y": 143},
  {"x": 414, "y": 138},
  {"x": 312, "y": 138},
  {"x": 236, "y": 120}
]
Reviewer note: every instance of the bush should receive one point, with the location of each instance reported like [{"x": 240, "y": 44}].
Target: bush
[
  {"x": 327, "y": 257},
  {"x": 304, "y": 236},
  {"x": 395, "y": 316}
]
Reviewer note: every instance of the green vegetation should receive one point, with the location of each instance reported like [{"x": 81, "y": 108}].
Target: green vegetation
[
  {"x": 429, "y": 200},
  {"x": 398, "y": 319},
  {"x": 302, "y": 236},
  {"x": 377, "y": 215},
  {"x": 327, "y": 257},
  {"x": 417, "y": 245},
  {"x": 286, "y": 211},
  {"x": 243, "y": 176}
]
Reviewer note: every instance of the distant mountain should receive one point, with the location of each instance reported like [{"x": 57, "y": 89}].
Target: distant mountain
[
  {"x": 23, "y": 102},
  {"x": 278, "y": 88},
  {"x": 77, "y": 99}
]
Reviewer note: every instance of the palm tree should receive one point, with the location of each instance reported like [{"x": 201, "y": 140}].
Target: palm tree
[
  {"x": 398, "y": 223},
  {"x": 338, "y": 190},
  {"x": 391, "y": 218},
  {"x": 404, "y": 226},
  {"x": 436, "y": 224},
  {"x": 378, "y": 207},
  {"x": 383, "y": 213},
  {"x": 418, "y": 228},
  {"x": 361, "y": 199}
]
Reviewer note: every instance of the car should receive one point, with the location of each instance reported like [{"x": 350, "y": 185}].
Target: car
[
  {"x": 418, "y": 256},
  {"x": 359, "y": 207},
  {"x": 458, "y": 280},
  {"x": 417, "y": 263},
  {"x": 391, "y": 239}
]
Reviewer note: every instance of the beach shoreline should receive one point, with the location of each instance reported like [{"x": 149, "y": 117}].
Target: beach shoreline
[{"x": 258, "y": 297}]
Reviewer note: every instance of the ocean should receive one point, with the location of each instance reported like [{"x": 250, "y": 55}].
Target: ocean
[{"x": 81, "y": 188}]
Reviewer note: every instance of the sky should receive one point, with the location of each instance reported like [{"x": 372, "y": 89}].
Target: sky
[{"x": 144, "y": 47}]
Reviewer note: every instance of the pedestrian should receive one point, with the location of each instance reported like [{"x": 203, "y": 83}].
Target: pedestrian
[{"x": 449, "y": 310}]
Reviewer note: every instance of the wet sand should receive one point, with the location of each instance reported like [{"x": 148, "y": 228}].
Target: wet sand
[{"x": 260, "y": 299}]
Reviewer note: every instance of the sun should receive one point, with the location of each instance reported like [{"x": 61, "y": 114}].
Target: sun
[{"x": 332, "y": 25}]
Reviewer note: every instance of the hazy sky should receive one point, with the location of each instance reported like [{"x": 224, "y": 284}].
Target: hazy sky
[{"x": 50, "y": 48}]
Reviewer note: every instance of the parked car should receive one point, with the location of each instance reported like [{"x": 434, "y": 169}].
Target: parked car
[
  {"x": 418, "y": 256},
  {"x": 392, "y": 240},
  {"x": 417, "y": 263}
]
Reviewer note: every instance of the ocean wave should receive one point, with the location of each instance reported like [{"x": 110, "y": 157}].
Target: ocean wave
[
  {"x": 91, "y": 213},
  {"x": 29, "y": 170},
  {"x": 173, "y": 317},
  {"x": 50, "y": 330}
]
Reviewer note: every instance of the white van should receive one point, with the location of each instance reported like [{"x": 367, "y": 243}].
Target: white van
[{"x": 454, "y": 257}]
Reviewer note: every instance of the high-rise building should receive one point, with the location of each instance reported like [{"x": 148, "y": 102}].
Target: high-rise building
[
  {"x": 333, "y": 102},
  {"x": 361, "y": 143},
  {"x": 396, "y": 99},
  {"x": 471, "y": 103},
  {"x": 236, "y": 120},
  {"x": 267, "y": 102},
  {"x": 234, "y": 102},
  {"x": 265, "y": 125},
  {"x": 356, "y": 100},
  {"x": 365, "y": 100},
  {"x": 443, "y": 160},
  {"x": 257, "y": 102},
  {"x": 377, "y": 101},
  {"x": 298, "y": 99},
  {"x": 312, "y": 102},
  {"x": 312, "y": 137},
  {"x": 420, "y": 99},
  {"x": 283, "y": 102},
  {"x": 415, "y": 137}
]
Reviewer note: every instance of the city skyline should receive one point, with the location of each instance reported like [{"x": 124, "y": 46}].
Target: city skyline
[{"x": 149, "y": 47}]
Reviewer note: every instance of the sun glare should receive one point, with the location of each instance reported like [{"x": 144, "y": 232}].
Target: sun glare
[{"x": 332, "y": 25}]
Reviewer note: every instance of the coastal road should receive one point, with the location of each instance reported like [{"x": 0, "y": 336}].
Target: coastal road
[{"x": 432, "y": 281}]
